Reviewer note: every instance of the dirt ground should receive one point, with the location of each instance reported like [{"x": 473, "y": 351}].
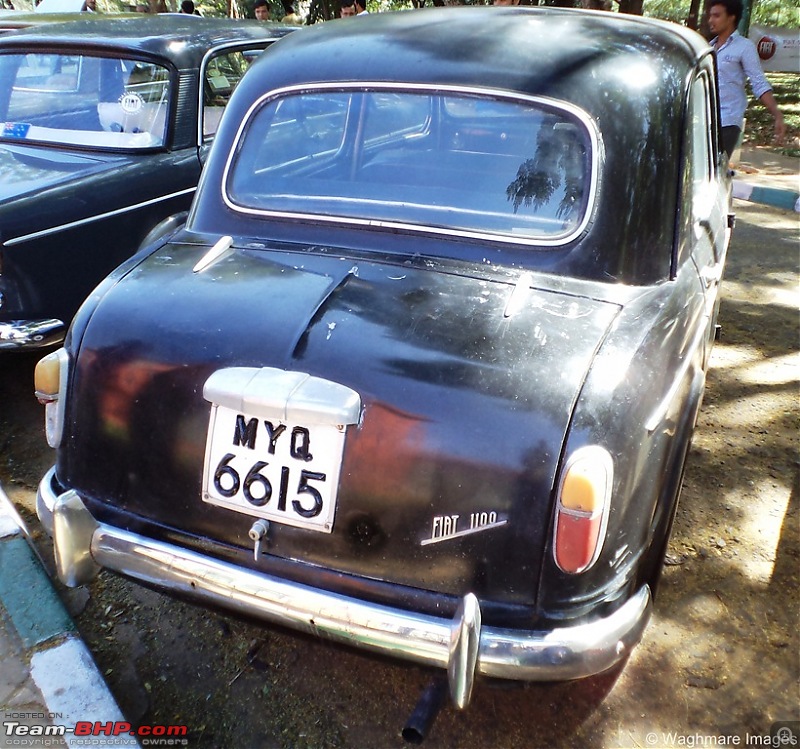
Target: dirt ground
[{"x": 721, "y": 657}]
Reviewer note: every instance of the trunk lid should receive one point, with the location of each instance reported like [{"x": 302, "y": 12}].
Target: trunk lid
[{"x": 445, "y": 481}]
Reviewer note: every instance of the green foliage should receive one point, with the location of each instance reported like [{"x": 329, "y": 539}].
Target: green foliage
[
  {"x": 776, "y": 13},
  {"x": 759, "y": 129},
  {"x": 763, "y": 12},
  {"x": 667, "y": 10}
]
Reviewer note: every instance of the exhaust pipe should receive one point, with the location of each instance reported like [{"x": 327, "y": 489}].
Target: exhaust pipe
[{"x": 425, "y": 711}]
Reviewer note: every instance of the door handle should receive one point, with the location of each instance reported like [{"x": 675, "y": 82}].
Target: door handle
[{"x": 711, "y": 275}]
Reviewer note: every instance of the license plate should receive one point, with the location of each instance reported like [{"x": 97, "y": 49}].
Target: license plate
[{"x": 284, "y": 472}]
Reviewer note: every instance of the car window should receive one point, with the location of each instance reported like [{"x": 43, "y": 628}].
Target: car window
[
  {"x": 221, "y": 75},
  {"x": 444, "y": 161},
  {"x": 700, "y": 147},
  {"x": 701, "y": 166},
  {"x": 700, "y": 180},
  {"x": 391, "y": 115},
  {"x": 79, "y": 100}
]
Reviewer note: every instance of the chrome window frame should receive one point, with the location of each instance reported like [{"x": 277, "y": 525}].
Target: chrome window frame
[
  {"x": 363, "y": 86},
  {"x": 210, "y": 54}
]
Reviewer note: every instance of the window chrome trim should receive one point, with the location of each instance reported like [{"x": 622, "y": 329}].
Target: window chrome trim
[
  {"x": 238, "y": 46},
  {"x": 108, "y": 214},
  {"x": 408, "y": 87}
]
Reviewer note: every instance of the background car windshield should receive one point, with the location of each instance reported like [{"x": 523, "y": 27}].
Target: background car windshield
[
  {"x": 454, "y": 162},
  {"x": 222, "y": 75},
  {"x": 77, "y": 100}
]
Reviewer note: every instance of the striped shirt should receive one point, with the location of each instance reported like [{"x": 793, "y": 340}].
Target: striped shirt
[{"x": 737, "y": 60}]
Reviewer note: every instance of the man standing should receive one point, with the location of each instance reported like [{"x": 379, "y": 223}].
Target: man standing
[
  {"x": 352, "y": 8},
  {"x": 737, "y": 60},
  {"x": 261, "y": 10},
  {"x": 290, "y": 16}
]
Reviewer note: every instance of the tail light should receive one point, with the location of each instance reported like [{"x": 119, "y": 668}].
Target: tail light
[
  {"x": 50, "y": 384},
  {"x": 582, "y": 503}
]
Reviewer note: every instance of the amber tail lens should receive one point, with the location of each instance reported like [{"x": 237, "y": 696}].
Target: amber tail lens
[
  {"x": 47, "y": 377},
  {"x": 582, "y": 509},
  {"x": 50, "y": 382}
]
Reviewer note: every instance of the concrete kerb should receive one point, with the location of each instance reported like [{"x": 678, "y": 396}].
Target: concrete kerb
[
  {"x": 774, "y": 196},
  {"x": 68, "y": 686},
  {"x": 766, "y": 177}
]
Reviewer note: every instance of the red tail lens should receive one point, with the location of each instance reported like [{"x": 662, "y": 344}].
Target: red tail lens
[{"x": 582, "y": 505}]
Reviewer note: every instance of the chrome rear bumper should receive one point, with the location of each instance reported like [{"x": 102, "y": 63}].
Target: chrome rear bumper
[
  {"x": 31, "y": 334},
  {"x": 461, "y": 645}
]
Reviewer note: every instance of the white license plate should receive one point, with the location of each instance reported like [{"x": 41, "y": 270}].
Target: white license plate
[{"x": 286, "y": 473}]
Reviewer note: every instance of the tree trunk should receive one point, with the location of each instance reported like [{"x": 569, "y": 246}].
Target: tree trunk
[
  {"x": 634, "y": 7},
  {"x": 693, "y": 19},
  {"x": 703, "y": 25}
]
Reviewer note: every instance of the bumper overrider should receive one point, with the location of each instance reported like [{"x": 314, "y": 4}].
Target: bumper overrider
[
  {"x": 31, "y": 334},
  {"x": 460, "y": 645}
]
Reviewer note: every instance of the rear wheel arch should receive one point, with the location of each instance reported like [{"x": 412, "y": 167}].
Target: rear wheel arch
[
  {"x": 165, "y": 228},
  {"x": 667, "y": 503}
]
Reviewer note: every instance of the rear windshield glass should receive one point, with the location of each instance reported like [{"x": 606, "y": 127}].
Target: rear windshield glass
[
  {"x": 452, "y": 162},
  {"x": 77, "y": 100}
]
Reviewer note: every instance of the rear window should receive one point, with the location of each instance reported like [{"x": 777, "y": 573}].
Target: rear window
[
  {"x": 451, "y": 162},
  {"x": 79, "y": 100}
]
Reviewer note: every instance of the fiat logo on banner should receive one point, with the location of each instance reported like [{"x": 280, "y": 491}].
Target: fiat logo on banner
[{"x": 766, "y": 47}]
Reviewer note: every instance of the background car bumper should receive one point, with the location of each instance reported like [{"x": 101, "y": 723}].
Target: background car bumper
[
  {"x": 461, "y": 645},
  {"x": 31, "y": 334}
]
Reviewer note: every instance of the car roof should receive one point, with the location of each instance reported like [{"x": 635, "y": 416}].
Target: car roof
[
  {"x": 179, "y": 37},
  {"x": 20, "y": 19},
  {"x": 511, "y": 48},
  {"x": 627, "y": 78}
]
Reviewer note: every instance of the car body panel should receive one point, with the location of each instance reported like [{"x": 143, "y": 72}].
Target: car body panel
[{"x": 84, "y": 194}]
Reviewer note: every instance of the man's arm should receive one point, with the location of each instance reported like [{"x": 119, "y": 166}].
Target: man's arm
[
  {"x": 768, "y": 100},
  {"x": 761, "y": 88}
]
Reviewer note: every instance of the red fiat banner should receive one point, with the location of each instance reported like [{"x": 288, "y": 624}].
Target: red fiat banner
[{"x": 778, "y": 48}]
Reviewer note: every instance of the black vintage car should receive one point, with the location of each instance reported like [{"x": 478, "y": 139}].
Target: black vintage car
[
  {"x": 421, "y": 370},
  {"x": 103, "y": 126}
]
